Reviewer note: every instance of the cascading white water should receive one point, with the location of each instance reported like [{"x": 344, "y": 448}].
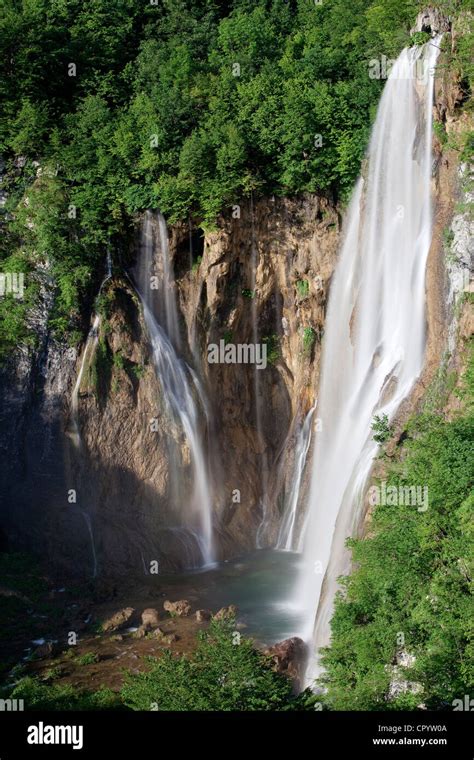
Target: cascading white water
[
  {"x": 75, "y": 433},
  {"x": 288, "y": 536},
  {"x": 87, "y": 356},
  {"x": 375, "y": 328},
  {"x": 182, "y": 392},
  {"x": 88, "y": 353}
]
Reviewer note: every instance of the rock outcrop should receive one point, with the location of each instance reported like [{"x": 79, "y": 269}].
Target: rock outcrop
[{"x": 102, "y": 503}]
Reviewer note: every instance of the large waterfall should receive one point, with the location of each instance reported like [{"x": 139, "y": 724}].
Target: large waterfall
[
  {"x": 183, "y": 394},
  {"x": 375, "y": 328}
]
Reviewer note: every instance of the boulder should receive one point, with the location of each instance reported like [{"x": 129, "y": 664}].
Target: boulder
[
  {"x": 150, "y": 618},
  {"x": 43, "y": 650},
  {"x": 226, "y": 613},
  {"x": 202, "y": 615},
  {"x": 182, "y": 608},
  {"x": 118, "y": 619},
  {"x": 289, "y": 658}
]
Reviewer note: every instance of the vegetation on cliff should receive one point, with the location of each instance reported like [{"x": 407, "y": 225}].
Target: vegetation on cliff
[
  {"x": 402, "y": 632},
  {"x": 184, "y": 105}
]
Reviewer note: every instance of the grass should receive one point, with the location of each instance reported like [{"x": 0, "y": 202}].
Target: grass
[{"x": 89, "y": 658}]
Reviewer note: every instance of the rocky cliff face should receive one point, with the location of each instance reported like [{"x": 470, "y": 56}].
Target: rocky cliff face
[{"x": 104, "y": 502}]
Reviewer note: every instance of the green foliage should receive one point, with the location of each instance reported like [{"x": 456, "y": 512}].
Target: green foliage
[
  {"x": 302, "y": 286},
  {"x": 185, "y": 106},
  {"x": 309, "y": 338},
  {"x": 412, "y": 589},
  {"x": 88, "y": 658},
  {"x": 273, "y": 348},
  {"x": 52, "y": 673},
  {"x": 381, "y": 428},
  {"x": 196, "y": 264},
  {"x": 440, "y": 131},
  {"x": 419, "y": 38},
  {"x": 224, "y": 673},
  {"x": 42, "y": 696}
]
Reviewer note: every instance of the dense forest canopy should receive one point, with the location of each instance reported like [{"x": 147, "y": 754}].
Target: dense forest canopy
[{"x": 185, "y": 105}]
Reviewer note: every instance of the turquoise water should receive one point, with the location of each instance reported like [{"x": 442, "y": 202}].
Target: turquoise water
[{"x": 259, "y": 584}]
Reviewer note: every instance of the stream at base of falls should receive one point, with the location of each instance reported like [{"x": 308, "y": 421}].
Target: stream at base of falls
[{"x": 256, "y": 583}]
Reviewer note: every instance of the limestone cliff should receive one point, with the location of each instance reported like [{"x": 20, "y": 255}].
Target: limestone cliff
[{"x": 118, "y": 520}]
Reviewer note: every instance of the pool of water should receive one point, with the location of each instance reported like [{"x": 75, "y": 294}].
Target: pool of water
[{"x": 259, "y": 584}]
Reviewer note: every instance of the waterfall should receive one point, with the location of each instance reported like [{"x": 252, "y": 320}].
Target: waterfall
[
  {"x": 90, "y": 532},
  {"x": 183, "y": 394},
  {"x": 375, "y": 328},
  {"x": 75, "y": 432},
  {"x": 287, "y": 537},
  {"x": 87, "y": 356},
  {"x": 88, "y": 353}
]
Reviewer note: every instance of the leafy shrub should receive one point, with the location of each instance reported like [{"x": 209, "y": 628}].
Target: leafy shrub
[
  {"x": 273, "y": 348},
  {"x": 88, "y": 658},
  {"x": 42, "y": 696},
  {"x": 302, "y": 286},
  {"x": 224, "y": 673},
  {"x": 381, "y": 428}
]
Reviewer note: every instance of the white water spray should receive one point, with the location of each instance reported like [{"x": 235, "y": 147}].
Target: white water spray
[
  {"x": 375, "y": 328},
  {"x": 182, "y": 391},
  {"x": 75, "y": 433},
  {"x": 288, "y": 535}
]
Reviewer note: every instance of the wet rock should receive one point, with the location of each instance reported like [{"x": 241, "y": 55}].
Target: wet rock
[
  {"x": 289, "y": 657},
  {"x": 140, "y": 633},
  {"x": 182, "y": 608},
  {"x": 226, "y": 613},
  {"x": 432, "y": 21},
  {"x": 202, "y": 615},
  {"x": 150, "y": 618},
  {"x": 118, "y": 619},
  {"x": 43, "y": 650}
]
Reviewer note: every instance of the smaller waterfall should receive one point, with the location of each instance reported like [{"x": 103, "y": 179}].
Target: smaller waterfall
[
  {"x": 75, "y": 433},
  {"x": 182, "y": 392},
  {"x": 88, "y": 523},
  {"x": 87, "y": 356},
  {"x": 288, "y": 538},
  {"x": 88, "y": 353}
]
